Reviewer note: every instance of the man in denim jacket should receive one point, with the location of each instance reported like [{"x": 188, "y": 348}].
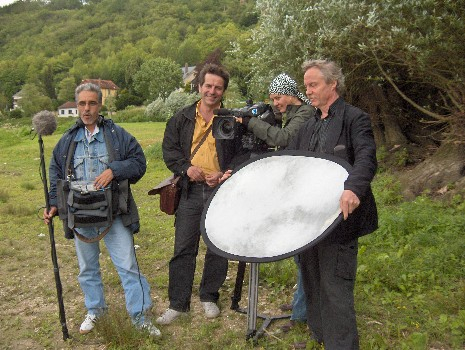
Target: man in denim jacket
[{"x": 103, "y": 152}]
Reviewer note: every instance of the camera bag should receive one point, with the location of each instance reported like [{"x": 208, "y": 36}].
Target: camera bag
[{"x": 169, "y": 189}]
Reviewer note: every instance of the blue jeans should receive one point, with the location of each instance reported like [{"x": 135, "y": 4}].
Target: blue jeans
[
  {"x": 120, "y": 245},
  {"x": 299, "y": 304}
]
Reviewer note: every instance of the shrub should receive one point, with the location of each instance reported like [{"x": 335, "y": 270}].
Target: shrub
[
  {"x": 16, "y": 113},
  {"x": 178, "y": 99},
  {"x": 157, "y": 111},
  {"x": 130, "y": 114},
  {"x": 162, "y": 110}
]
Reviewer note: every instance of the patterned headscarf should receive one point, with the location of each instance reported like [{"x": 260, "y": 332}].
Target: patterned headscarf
[{"x": 283, "y": 84}]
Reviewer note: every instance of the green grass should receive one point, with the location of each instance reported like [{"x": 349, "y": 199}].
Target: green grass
[{"x": 410, "y": 290}]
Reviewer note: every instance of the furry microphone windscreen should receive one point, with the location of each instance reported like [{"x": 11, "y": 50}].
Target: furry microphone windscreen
[{"x": 44, "y": 123}]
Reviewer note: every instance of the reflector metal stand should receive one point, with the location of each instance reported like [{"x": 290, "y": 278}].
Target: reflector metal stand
[{"x": 252, "y": 332}]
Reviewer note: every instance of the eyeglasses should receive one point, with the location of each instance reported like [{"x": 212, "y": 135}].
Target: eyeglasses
[{"x": 90, "y": 103}]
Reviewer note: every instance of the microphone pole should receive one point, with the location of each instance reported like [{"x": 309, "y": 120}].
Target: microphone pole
[{"x": 61, "y": 306}]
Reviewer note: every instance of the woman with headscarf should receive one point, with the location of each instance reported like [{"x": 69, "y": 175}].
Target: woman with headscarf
[{"x": 294, "y": 107}]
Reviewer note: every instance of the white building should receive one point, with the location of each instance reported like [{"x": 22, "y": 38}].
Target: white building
[{"x": 68, "y": 109}]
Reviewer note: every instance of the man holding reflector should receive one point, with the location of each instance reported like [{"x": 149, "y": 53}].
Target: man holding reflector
[{"x": 329, "y": 267}]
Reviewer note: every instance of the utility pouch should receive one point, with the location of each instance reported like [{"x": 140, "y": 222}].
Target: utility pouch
[{"x": 88, "y": 206}]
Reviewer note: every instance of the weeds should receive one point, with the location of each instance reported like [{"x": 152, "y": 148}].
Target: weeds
[{"x": 410, "y": 290}]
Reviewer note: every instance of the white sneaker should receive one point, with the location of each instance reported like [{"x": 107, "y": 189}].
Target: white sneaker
[
  {"x": 169, "y": 316},
  {"x": 88, "y": 324},
  {"x": 149, "y": 327},
  {"x": 211, "y": 309}
]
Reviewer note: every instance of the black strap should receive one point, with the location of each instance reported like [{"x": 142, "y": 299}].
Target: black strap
[
  {"x": 70, "y": 160},
  {"x": 204, "y": 137},
  {"x": 94, "y": 239},
  {"x": 70, "y": 172}
]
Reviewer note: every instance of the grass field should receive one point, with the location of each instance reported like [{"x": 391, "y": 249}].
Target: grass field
[{"x": 410, "y": 291}]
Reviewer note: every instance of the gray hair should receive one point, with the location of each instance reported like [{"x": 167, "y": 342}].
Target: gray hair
[
  {"x": 88, "y": 87},
  {"x": 330, "y": 70}
]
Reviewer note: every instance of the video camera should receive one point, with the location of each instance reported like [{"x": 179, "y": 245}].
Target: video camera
[{"x": 225, "y": 126}]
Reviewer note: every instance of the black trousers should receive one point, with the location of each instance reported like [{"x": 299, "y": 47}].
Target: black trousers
[
  {"x": 186, "y": 246},
  {"x": 328, "y": 277}
]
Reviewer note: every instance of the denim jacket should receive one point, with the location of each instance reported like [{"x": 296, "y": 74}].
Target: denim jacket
[
  {"x": 129, "y": 163},
  {"x": 90, "y": 158}
]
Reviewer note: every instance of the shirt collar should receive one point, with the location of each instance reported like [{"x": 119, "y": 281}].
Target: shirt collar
[
  {"x": 84, "y": 133},
  {"x": 332, "y": 109}
]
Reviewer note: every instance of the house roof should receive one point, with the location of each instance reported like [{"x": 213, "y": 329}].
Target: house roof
[
  {"x": 69, "y": 104},
  {"x": 104, "y": 84},
  {"x": 186, "y": 71}
]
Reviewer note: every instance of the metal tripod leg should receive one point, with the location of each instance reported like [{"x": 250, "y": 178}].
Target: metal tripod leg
[
  {"x": 253, "y": 300},
  {"x": 251, "y": 311}
]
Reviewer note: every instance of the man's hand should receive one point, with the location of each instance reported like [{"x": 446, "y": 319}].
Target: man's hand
[
  {"x": 195, "y": 174},
  {"x": 213, "y": 179},
  {"x": 227, "y": 174},
  {"x": 48, "y": 215},
  {"x": 104, "y": 179},
  {"x": 348, "y": 203}
]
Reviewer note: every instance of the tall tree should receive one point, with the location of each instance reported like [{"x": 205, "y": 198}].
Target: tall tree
[
  {"x": 34, "y": 100},
  {"x": 157, "y": 77},
  {"x": 66, "y": 89},
  {"x": 401, "y": 55}
]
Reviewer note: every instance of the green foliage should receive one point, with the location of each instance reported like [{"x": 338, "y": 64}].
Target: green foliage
[
  {"x": 281, "y": 274},
  {"x": 179, "y": 99},
  {"x": 130, "y": 114},
  {"x": 410, "y": 263},
  {"x": 388, "y": 190},
  {"x": 66, "y": 89},
  {"x": 116, "y": 329},
  {"x": 157, "y": 110},
  {"x": 163, "y": 109},
  {"x": 157, "y": 77},
  {"x": 16, "y": 113},
  {"x": 34, "y": 100},
  {"x": 413, "y": 48},
  {"x": 409, "y": 292},
  {"x": 45, "y": 43},
  {"x": 126, "y": 99}
]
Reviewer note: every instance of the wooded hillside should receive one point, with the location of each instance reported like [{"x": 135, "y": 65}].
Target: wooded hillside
[{"x": 403, "y": 61}]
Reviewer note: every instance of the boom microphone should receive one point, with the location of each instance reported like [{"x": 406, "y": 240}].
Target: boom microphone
[{"x": 44, "y": 123}]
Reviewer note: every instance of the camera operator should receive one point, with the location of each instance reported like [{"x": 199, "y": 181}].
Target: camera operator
[
  {"x": 295, "y": 110},
  {"x": 294, "y": 107}
]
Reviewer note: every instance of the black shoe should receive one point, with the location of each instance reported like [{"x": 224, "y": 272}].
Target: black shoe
[
  {"x": 287, "y": 326},
  {"x": 286, "y": 307}
]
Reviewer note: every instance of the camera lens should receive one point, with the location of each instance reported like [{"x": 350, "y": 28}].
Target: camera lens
[{"x": 224, "y": 128}]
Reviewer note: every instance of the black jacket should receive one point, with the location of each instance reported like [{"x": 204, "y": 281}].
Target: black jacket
[
  {"x": 349, "y": 137},
  {"x": 177, "y": 143}
]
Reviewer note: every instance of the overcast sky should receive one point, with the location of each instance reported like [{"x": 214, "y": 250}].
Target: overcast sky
[{"x": 6, "y": 2}]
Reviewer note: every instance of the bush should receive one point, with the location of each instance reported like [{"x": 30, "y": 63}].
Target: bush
[
  {"x": 130, "y": 114},
  {"x": 162, "y": 110},
  {"x": 126, "y": 99},
  {"x": 157, "y": 111},
  {"x": 178, "y": 99},
  {"x": 16, "y": 113}
]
